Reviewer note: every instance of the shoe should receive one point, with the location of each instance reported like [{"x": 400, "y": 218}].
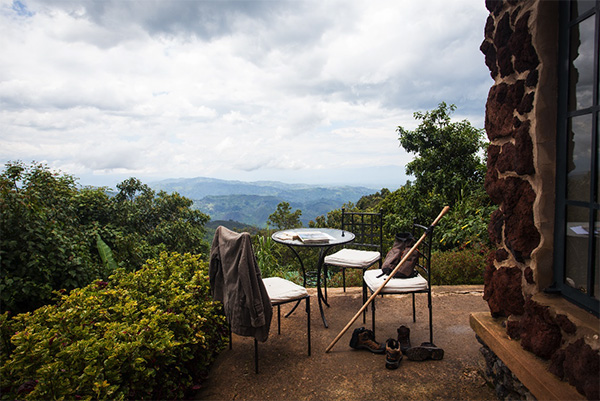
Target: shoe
[
  {"x": 404, "y": 338},
  {"x": 393, "y": 355},
  {"x": 425, "y": 351},
  {"x": 365, "y": 339}
]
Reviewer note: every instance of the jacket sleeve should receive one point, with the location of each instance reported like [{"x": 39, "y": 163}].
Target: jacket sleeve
[{"x": 215, "y": 270}]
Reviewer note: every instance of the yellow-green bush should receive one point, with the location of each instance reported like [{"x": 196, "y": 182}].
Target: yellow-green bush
[
  {"x": 463, "y": 266},
  {"x": 149, "y": 334}
]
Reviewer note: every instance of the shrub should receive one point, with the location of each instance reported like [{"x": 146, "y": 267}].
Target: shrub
[
  {"x": 144, "y": 335},
  {"x": 464, "y": 266}
]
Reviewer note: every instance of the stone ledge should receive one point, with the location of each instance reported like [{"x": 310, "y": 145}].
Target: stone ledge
[{"x": 529, "y": 369}]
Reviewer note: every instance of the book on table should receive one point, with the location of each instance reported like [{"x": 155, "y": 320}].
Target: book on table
[{"x": 314, "y": 237}]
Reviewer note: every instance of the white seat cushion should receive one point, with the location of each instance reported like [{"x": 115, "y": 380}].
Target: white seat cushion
[
  {"x": 282, "y": 290},
  {"x": 395, "y": 285},
  {"x": 348, "y": 257}
]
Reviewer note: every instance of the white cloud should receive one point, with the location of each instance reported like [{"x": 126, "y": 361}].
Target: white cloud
[{"x": 230, "y": 88}]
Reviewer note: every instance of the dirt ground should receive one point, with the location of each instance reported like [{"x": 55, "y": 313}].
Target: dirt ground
[{"x": 288, "y": 373}]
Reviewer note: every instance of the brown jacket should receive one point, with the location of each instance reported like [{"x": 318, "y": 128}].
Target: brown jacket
[{"x": 235, "y": 280}]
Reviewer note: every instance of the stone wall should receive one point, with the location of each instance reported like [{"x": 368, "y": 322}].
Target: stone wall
[
  {"x": 506, "y": 385},
  {"x": 520, "y": 49}
]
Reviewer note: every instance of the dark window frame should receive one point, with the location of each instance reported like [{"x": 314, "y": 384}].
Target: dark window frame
[{"x": 585, "y": 300}]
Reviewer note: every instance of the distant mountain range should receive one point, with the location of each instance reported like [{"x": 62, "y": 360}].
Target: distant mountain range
[{"x": 253, "y": 202}]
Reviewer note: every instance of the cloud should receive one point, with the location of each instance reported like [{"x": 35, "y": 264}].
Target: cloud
[{"x": 189, "y": 88}]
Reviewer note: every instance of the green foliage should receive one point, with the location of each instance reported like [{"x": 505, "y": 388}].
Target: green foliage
[
  {"x": 41, "y": 246},
  {"x": 49, "y": 230},
  {"x": 148, "y": 334},
  {"x": 466, "y": 224},
  {"x": 155, "y": 220},
  {"x": 447, "y": 167},
  {"x": 273, "y": 262},
  {"x": 268, "y": 256},
  {"x": 283, "y": 218},
  {"x": 105, "y": 254},
  {"x": 462, "y": 266},
  {"x": 371, "y": 202},
  {"x": 447, "y": 153}
]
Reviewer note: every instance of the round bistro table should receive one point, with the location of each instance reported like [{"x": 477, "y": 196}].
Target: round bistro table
[{"x": 291, "y": 239}]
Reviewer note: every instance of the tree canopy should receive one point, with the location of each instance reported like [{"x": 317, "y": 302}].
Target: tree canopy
[
  {"x": 447, "y": 154},
  {"x": 283, "y": 218},
  {"x": 57, "y": 236}
]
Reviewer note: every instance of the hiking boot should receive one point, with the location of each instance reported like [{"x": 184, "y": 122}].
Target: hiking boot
[
  {"x": 425, "y": 351},
  {"x": 365, "y": 339},
  {"x": 393, "y": 355},
  {"x": 404, "y": 338}
]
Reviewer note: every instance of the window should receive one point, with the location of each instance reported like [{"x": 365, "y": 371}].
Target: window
[{"x": 577, "y": 237}]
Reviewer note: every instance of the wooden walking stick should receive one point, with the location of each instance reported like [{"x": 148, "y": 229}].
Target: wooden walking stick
[{"x": 391, "y": 275}]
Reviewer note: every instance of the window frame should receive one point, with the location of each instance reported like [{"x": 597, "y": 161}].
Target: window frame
[{"x": 585, "y": 300}]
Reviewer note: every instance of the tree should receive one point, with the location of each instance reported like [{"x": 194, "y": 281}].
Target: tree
[
  {"x": 448, "y": 154},
  {"x": 283, "y": 218},
  {"x": 447, "y": 166},
  {"x": 42, "y": 248},
  {"x": 55, "y": 236}
]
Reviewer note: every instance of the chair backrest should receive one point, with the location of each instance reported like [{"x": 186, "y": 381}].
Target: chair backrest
[
  {"x": 424, "y": 264},
  {"x": 367, "y": 227}
]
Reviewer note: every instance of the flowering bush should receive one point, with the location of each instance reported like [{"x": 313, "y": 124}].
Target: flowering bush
[{"x": 149, "y": 334}]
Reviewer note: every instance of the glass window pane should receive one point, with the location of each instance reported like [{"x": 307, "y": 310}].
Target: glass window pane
[
  {"x": 576, "y": 247},
  {"x": 581, "y": 75},
  {"x": 579, "y": 7},
  {"x": 597, "y": 257},
  {"x": 579, "y": 158}
]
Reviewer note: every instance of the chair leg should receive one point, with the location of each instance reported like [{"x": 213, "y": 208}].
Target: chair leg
[
  {"x": 256, "y": 356},
  {"x": 364, "y": 296},
  {"x": 325, "y": 276},
  {"x": 373, "y": 316},
  {"x": 344, "y": 278},
  {"x": 278, "y": 319},
  {"x": 308, "y": 322},
  {"x": 430, "y": 318},
  {"x": 414, "y": 309},
  {"x": 230, "y": 335}
]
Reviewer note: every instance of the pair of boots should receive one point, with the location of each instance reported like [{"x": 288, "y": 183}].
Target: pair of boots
[
  {"x": 395, "y": 349},
  {"x": 422, "y": 352}
]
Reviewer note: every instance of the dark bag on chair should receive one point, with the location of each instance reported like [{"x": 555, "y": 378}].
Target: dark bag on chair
[{"x": 402, "y": 244}]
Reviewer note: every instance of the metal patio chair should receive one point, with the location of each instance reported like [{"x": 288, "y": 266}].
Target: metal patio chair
[
  {"x": 420, "y": 283},
  {"x": 364, "y": 252}
]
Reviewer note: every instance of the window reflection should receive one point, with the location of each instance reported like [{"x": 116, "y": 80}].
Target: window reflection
[
  {"x": 579, "y": 158},
  {"x": 581, "y": 87},
  {"x": 597, "y": 257},
  {"x": 579, "y": 7},
  {"x": 576, "y": 247}
]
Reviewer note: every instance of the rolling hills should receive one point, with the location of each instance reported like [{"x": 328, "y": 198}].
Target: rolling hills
[{"x": 252, "y": 202}]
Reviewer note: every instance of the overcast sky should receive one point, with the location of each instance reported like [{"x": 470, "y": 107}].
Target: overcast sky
[{"x": 305, "y": 91}]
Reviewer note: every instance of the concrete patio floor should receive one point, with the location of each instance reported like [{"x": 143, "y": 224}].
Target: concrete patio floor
[{"x": 288, "y": 373}]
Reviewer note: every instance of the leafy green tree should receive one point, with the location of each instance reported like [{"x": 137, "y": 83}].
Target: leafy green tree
[
  {"x": 55, "y": 236},
  {"x": 448, "y": 168},
  {"x": 371, "y": 202},
  {"x": 41, "y": 246},
  {"x": 149, "y": 223},
  {"x": 283, "y": 218},
  {"x": 447, "y": 154}
]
